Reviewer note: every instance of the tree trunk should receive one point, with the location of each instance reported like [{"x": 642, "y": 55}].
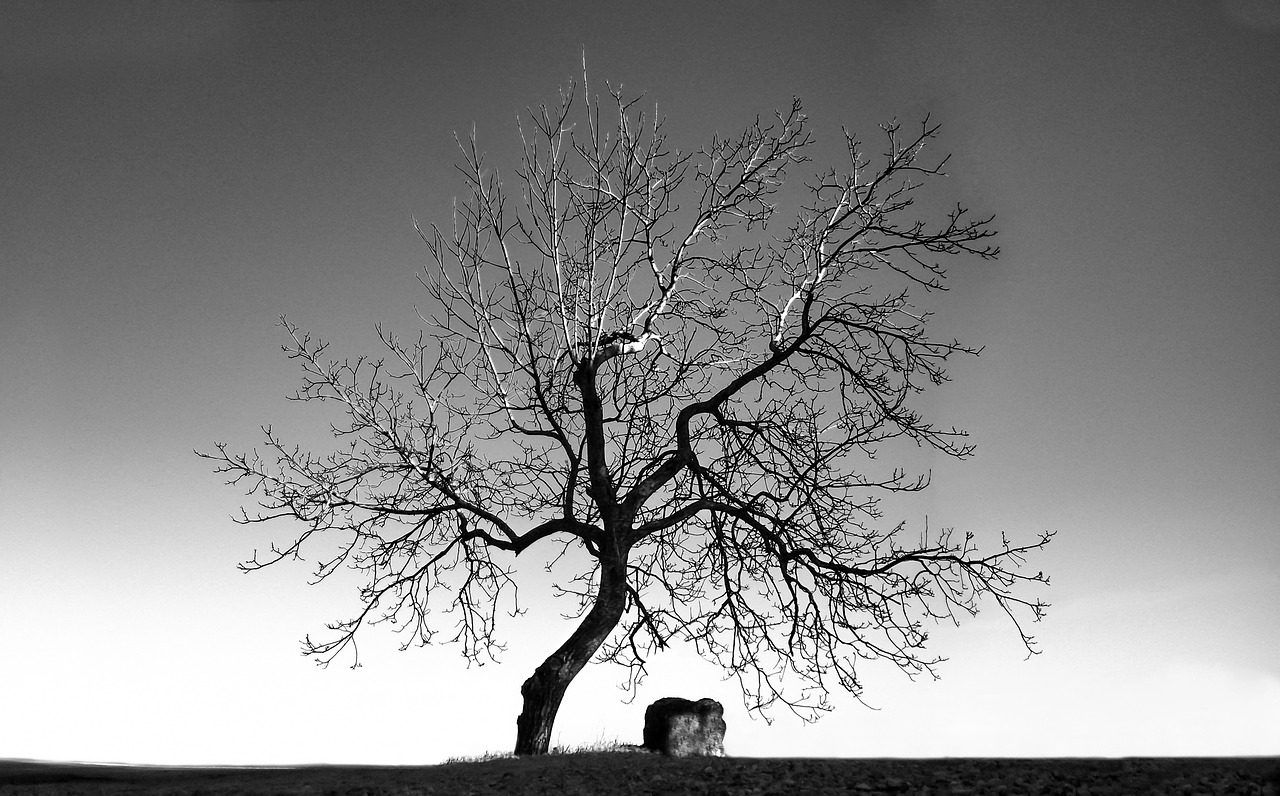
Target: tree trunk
[{"x": 544, "y": 691}]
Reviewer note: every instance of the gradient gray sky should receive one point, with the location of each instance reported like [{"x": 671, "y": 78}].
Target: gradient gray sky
[{"x": 177, "y": 175}]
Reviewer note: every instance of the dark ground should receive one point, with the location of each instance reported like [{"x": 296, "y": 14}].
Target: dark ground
[{"x": 639, "y": 773}]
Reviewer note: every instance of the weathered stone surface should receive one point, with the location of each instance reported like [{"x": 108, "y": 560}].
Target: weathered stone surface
[{"x": 682, "y": 727}]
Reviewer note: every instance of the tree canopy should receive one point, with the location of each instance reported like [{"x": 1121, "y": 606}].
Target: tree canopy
[{"x": 622, "y": 352}]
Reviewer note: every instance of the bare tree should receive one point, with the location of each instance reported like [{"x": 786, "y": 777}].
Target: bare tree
[{"x": 687, "y": 395}]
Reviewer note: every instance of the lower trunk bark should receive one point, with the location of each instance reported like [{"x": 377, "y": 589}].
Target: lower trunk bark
[{"x": 544, "y": 691}]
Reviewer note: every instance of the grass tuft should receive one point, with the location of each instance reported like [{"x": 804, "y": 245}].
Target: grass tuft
[
  {"x": 599, "y": 745},
  {"x": 481, "y": 758}
]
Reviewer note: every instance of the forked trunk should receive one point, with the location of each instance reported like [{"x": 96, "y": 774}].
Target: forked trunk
[{"x": 544, "y": 691}]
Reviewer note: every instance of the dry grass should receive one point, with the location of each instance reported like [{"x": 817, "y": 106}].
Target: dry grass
[
  {"x": 601, "y": 744},
  {"x": 576, "y": 773}
]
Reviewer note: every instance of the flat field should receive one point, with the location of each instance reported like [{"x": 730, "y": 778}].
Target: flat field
[{"x": 637, "y": 773}]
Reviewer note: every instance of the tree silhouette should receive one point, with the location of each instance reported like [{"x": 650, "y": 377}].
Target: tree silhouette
[{"x": 685, "y": 393}]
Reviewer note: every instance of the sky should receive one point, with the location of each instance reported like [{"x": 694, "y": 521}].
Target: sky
[{"x": 178, "y": 175}]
